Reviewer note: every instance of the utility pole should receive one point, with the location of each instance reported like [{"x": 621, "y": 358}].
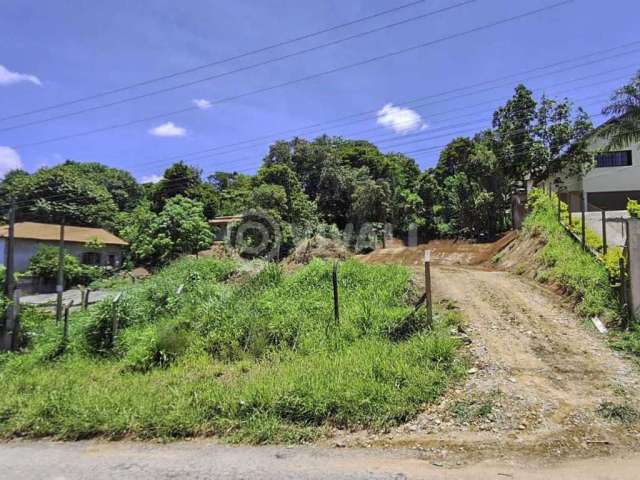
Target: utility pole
[
  {"x": 60, "y": 282},
  {"x": 10, "y": 328}
]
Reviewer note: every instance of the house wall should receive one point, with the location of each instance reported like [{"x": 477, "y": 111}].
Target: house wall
[
  {"x": 606, "y": 188},
  {"x": 25, "y": 249},
  {"x": 614, "y": 179}
]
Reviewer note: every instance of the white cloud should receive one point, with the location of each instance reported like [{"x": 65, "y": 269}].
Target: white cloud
[
  {"x": 9, "y": 160},
  {"x": 7, "y": 77},
  {"x": 168, "y": 129},
  {"x": 151, "y": 178},
  {"x": 400, "y": 120},
  {"x": 202, "y": 103}
]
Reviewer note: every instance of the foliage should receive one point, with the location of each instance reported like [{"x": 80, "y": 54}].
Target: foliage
[
  {"x": 79, "y": 193},
  {"x": 624, "y": 108},
  {"x": 44, "y": 264},
  {"x": 94, "y": 243},
  {"x": 179, "y": 229},
  {"x": 633, "y": 207},
  {"x": 567, "y": 264},
  {"x": 259, "y": 359},
  {"x": 535, "y": 140},
  {"x": 183, "y": 180}
]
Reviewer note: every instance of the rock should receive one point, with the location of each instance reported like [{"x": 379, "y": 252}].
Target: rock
[
  {"x": 339, "y": 444},
  {"x": 472, "y": 371}
]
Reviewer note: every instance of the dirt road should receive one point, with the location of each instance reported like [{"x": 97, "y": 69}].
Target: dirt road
[{"x": 541, "y": 384}]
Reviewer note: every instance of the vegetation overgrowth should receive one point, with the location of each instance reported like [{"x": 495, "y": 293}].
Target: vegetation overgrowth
[
  {"x": 248, "y": 353},
  {"x": 566, "y": 264}
]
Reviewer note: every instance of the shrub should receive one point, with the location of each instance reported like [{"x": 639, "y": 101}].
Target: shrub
[
  {"x": 633, "y": 206},
  {"x": 44, "y": 264}
]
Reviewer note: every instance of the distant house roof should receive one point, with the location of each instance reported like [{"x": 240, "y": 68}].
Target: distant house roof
[
  {"x": 225, "y": 220},
  {"x": 51, "y": 232}
]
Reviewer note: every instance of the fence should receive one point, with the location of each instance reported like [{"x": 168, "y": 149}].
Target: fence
[{"x": 606, "y": 235}]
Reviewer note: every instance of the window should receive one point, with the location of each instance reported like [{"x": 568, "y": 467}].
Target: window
[
  {"x": 91, "y": 258},
  {"x": 112, "y": 261},
  {"x": 614, "y": 159}
]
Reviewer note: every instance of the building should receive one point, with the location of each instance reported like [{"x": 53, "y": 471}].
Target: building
[
  {"x": 614, "y": 179},
  {"x": 223, "y": 226},
  {"x": 30, "y": 235}
]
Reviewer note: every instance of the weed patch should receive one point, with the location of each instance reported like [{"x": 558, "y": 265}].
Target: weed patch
[{"x": 257, "y": 360}]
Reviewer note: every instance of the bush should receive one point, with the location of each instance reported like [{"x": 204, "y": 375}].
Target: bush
[
  {"x": 44, "y": 264},
  {"x": 633, "y": 206}
]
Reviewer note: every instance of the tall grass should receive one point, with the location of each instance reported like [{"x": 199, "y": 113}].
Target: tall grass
[
  {"x": 249, "y": 357},
  {"x": 567, "y": 264}
]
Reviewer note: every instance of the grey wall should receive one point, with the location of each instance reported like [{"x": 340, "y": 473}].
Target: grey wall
[{"x": 25, "y": 249}]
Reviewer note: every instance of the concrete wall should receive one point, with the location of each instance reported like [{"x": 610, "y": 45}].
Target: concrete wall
[{"x": 25, "y": 249}]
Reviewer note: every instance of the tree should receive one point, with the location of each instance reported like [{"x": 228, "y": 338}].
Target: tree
[
  {"x": 179, "y": 229},
  {"x": 52, "y": 195},
  {"x": 123, "y": 188},
  {"x": 514, "y": 125},
  {"x": 370, "y": 202},
  {"x": 624, "y": 106},
  {"x": 185, "y": 180}
]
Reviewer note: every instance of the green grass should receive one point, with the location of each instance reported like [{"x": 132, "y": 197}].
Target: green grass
[
  {"x": 582, "y": 276},
  {"x": 253, "y": 358}
]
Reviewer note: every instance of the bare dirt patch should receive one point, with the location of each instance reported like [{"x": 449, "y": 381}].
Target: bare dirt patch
[{"x": 538, "y": 377}]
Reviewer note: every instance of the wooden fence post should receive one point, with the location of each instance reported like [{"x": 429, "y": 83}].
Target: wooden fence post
[
  {"x": 623, "y": 293},
  {"x": 427, "y": 285},
  {"x": 9, "y": 331},
  {"x": 336, "y": 303},
  {"x": 65, "y": 329},
  {"x": 604, "y": 232},
  {"x": 60, "y": 282},
  {"x": 583, "y": 217},
  {"x": 115, "y": 320},
  {"x": 85, "y": 298}
]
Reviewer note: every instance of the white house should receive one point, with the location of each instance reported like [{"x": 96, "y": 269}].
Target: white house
[
  {"x": 29, "y": 235},
  {"x": 608, "y": 186}
]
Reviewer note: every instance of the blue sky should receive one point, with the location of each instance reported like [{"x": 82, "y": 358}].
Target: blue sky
[{"x": 57, "y": 51}]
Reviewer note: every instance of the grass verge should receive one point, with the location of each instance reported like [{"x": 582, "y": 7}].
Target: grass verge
[
  {"x": 566, "y": 264},
  {"x": 255, "y": 358}
]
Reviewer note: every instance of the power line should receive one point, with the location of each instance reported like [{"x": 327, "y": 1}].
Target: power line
[
  {"x": 306, "y": 78},
  {"x": 29, "y": 202},
  {"x": 230, "y": 72},
  {"x": 256, "y": 144},
  {"x": 217, "y": 62},
  {"x": 410, "y": 102}
]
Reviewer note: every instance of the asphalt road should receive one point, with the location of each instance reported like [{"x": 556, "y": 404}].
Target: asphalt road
[
  {"x": 201, "y": 460},
  {"x": 45, "y": 299}
]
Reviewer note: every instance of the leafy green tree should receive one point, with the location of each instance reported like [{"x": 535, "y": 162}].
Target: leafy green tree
[
  {"x": 179, "y": 229},
  {"x": 182, "y": 179},
  {"x": 370, "y": 202},
  {"x": 52, "y": 195},
  {"x": 123, "y": 188},
  {"x": 514, "y": 131}
]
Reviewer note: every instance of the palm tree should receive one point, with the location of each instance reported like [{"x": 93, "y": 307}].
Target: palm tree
[{"x": 624, "y": 108}]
